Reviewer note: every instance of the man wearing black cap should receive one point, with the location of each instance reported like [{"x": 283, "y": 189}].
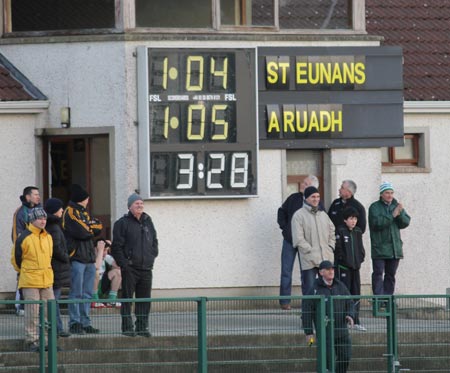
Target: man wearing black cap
[
  {"x": 288, "y": 253},
  {"x": 313, "y": 236},
  {"x": 80, "y": 230},
  {"x": 60, "y": 258},
  {"x": 327, "y": 286},
  {"x": 134, "y": 248}
]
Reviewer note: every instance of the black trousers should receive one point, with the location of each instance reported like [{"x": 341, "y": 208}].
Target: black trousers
[
  {"x": 137, "y": 282},
  {"x": 351, "y": 278},
  {"x": 342, "y": 349}
]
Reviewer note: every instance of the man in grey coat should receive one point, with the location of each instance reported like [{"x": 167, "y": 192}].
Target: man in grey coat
[{"x": 313, "y": 236}]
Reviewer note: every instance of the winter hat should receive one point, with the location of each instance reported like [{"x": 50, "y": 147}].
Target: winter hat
[
  {"x": 326, "y": 264},
  {"x": 133, "y": 198},
  {"x": 53, "y": 205},
  {"x": 310, "y": 190},
  {"x": 386, "y": 186},
  {"x": 36, "y": 213},
  {"x": 78, "y": 194}
]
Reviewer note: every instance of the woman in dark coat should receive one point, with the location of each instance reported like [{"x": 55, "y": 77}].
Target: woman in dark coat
[{"x": 60, "y": 258}]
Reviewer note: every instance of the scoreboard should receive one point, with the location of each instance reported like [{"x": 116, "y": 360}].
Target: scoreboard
[
  {"x": 198, "y": 123},
  {"x": 204, "y": 113}
]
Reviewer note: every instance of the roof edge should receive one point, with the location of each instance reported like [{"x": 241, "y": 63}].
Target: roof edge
[
  {"x": 27, "y": 84},
  {"x": 424, "y": 107},
  {"x": 24, "y": 107}
]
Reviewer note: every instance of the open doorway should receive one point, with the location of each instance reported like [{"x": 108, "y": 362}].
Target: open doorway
[{"x": 80, "y": 160}]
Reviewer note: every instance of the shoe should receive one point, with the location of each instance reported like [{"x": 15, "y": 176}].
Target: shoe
[
  {"x": 63, "y": 334},
  {"x": 97, "y": 305},
  {"x": 32, "y": 347},
  {"x": 359, "y": 327},
  {"x": 115, "y": 304},
  {"x": 129, "y": 333},
  {"x": 58, "y": 349},
  {"x": 143, "y": 333},
  {"x": 285, "y": 307},
  {"x": 76, "y": 328},
  {"x": 91, "y": 330},
  {"x": 20, "y": 312}
]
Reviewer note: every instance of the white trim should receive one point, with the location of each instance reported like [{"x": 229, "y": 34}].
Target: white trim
[
  {"x": 19, "y": 107},
  {"x": 423, "y": 107}
]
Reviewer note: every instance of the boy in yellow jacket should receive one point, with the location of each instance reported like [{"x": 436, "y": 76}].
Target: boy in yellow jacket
[{"x": 32, "y": 259}]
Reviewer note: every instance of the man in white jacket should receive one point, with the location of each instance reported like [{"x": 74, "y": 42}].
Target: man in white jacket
[{"x": 313, "y": 236}]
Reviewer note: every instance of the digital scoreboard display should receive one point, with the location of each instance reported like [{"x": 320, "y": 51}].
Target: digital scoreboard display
[{"x": 197, "y": 122}]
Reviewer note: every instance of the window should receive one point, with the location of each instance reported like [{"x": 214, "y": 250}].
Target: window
[
  {"x": 244, "y": 14},
  {"x": 51, "y": 15},
  {"x": 89, "y": 16},
  {"x": 402, "y": 155},
  {"x": 247, "y": 13},
  {"x": 174, "y": 13},
  {"x": 307, "y": 14}
]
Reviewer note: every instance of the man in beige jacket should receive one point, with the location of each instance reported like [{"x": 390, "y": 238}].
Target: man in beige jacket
[{"x": 313, "y": 236}]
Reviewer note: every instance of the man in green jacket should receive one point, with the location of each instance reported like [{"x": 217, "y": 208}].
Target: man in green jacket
[{"x": 386, "y": 217}]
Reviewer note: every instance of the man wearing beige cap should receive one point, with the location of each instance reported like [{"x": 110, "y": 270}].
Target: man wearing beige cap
[{"x": 134, "y": 248}]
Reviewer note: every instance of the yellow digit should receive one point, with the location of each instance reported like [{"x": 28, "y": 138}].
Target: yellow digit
[
  {"x": 219, "y": 122},
  {"x": 165, "y": 65},
  {"x": 223, "y": 73},
  {"x": 190, "y": 61},
  {"x": 200, "y": 135},
  {"x": 166, "y": 122}
]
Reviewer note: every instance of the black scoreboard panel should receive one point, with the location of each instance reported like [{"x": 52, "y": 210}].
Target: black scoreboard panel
[
  {"x": 202, "y": 123},
  {"x": 330, "y": 97}
]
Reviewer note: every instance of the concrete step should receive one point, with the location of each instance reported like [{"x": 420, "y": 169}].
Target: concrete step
[{"x": 239, "y": 353}]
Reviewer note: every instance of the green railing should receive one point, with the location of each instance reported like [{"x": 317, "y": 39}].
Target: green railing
[{"x": 239, "y": 334}]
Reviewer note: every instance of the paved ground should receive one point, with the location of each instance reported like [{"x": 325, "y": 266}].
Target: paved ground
[{"x": 231, "y": 322}]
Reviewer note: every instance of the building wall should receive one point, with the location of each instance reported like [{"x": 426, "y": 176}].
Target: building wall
[
  {"x": 213, "y": 244},
  {"x": 17, "y": 167},
  {"x": 426, "y": 242}
]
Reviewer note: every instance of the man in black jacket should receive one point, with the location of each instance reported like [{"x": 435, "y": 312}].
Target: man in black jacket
[
  {"x": 60, "y": 258},
  {"x": 347, "y": 199},
  {"x": 328, "y": 286},
  {"x": 134, "y": 248}
]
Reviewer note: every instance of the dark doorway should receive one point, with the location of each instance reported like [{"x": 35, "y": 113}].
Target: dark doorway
[{"x": 80, "y": 160}]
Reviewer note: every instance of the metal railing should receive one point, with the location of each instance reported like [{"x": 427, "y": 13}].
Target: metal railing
[{"x": 239, "y": 334}]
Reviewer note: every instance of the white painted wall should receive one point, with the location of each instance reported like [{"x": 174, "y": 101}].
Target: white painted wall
[{"x": 17, "y": 167}]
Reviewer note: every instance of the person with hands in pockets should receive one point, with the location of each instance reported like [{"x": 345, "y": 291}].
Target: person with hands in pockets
[{"x": 134, "y": 248}]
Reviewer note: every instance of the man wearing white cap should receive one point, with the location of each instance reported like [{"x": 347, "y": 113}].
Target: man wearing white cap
[{"x": 386, "y": 217}]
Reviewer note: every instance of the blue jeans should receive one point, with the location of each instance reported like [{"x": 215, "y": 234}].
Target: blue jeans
[
  {"x": 386, "y": 285},
  {"x": 83, "y": 276},
  {"x": 59, "y": 325},
  {"x": 288, "y": 254},
  {"x": 307, "y": 277}
]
